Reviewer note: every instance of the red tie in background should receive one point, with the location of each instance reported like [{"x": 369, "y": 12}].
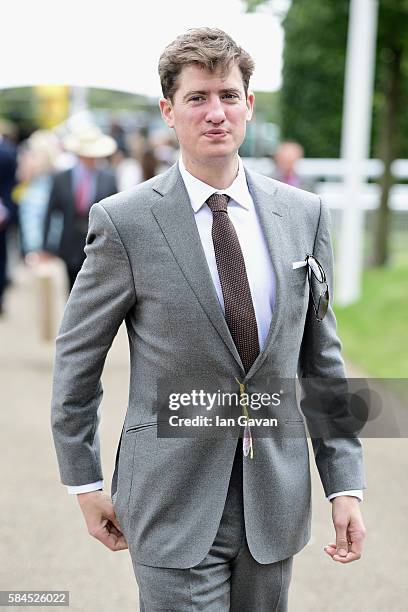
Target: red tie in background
[{"x": 83, "y": 193}]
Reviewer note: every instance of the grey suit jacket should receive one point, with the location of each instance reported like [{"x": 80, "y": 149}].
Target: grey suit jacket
[{"x": 145, "y": 264}]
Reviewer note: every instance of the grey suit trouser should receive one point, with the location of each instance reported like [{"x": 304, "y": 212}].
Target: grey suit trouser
[{"x": 227, "y": 579}]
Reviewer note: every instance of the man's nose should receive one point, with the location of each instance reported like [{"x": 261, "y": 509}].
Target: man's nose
[{"x": 215, "y": 112}]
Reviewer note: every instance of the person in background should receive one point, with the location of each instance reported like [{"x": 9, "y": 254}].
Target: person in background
[
  {"x": 165, "y": 149},
  {"x": 8, "y": 212},
  {"x": 72, "y": 194},
  {"x": 118, "y": 133},
  {"x": 128, "y": 171},
  {"x": 286, "y": 157},
  {"x": 35, "y": 167},
  {"x": 150, "y": 164}
]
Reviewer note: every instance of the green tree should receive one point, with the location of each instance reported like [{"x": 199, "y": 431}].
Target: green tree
[
  {"x": 313, "y": 75},
  {"x": 313, "y": 84},
  {"x": 390, "y": 125},
  {"x": 18, "y": 105}
]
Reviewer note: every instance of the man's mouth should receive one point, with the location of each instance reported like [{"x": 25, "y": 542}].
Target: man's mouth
[{"x": 216, "y": 133}]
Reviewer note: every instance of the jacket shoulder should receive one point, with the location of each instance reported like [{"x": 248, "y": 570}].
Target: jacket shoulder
[
  {"x": 129, "y": 210},
  {"x": 141, "y": 196}
]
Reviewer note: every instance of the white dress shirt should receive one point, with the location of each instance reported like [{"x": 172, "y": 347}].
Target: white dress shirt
[{"x": 258, "y": 264}]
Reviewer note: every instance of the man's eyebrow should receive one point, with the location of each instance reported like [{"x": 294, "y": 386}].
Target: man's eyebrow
[{"x": 200, "y": 92}]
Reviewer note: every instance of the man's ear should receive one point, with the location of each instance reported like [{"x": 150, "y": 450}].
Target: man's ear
[
  {"x": 250, "y": 101},
  {"x": 166, "y": 109}
]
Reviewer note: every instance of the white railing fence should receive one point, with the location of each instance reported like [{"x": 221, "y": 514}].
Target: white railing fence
[{"x": 327, "y": 177}]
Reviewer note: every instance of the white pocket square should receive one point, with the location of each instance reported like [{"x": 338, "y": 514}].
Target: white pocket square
[{"x": 299, "y": 264}]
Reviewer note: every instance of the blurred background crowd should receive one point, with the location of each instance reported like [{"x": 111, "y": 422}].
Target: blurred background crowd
[{"x": 50, "y": 179}]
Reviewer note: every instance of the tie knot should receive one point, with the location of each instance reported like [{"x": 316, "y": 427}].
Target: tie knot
[{"x": 218, "y": 202}]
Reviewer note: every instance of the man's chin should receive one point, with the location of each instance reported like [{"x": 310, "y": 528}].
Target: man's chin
[{"x": 217, "y": 153}]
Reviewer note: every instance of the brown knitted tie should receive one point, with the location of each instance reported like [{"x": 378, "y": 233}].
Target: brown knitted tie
[{"x": 239, "y": 309}]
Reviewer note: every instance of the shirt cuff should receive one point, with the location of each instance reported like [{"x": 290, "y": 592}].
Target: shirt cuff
[
  {"x": 86, "y": 488},
  {"x": 354, "y": 493}
]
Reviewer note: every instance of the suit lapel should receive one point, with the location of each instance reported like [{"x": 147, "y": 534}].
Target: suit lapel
[
  {"x": 175, "y": 216},
  {"x": 272, "y": 219}
]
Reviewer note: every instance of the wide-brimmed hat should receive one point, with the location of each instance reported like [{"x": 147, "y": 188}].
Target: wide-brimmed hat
[{"x": 89, "y": 141}]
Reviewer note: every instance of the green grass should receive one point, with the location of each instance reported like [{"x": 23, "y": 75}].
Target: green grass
[{"x": 374, "y": 331}]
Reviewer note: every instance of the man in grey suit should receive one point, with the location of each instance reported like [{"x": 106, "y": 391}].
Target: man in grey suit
[{"x": 207, "y": 264}]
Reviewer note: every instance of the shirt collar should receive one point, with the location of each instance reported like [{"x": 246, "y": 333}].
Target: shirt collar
[{"x": 199, "y": 192}]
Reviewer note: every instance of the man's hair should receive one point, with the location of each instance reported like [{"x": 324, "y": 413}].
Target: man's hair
[{"x": 208, "y": 48}]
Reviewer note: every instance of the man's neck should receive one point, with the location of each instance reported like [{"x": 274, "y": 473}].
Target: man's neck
[{"x": 220, "y": 174}]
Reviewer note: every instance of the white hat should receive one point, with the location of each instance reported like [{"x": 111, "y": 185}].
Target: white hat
[{"x": 89, "y": 141}]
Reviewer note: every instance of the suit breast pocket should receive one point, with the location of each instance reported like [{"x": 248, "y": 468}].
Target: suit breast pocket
[{"x": 298, "y": 289}]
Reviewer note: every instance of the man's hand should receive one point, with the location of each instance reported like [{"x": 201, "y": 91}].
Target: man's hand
[
  {"x": 101, "y": 520},
  {"x": 350, "y": 530}
]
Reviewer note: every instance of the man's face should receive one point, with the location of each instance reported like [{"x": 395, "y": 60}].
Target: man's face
[
  {"x": 208, "y": 113},
  {"x": 89, "y": 162}
]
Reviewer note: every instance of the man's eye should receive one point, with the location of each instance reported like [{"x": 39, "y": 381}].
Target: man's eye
[
  {"x": 196, "y": 98},
  {"x": 230, "y": 95}
]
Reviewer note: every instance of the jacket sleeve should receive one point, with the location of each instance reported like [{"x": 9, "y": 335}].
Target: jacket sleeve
[
  {"x": 102, "y": 296},
  {"x": 324, "y": 386}
]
